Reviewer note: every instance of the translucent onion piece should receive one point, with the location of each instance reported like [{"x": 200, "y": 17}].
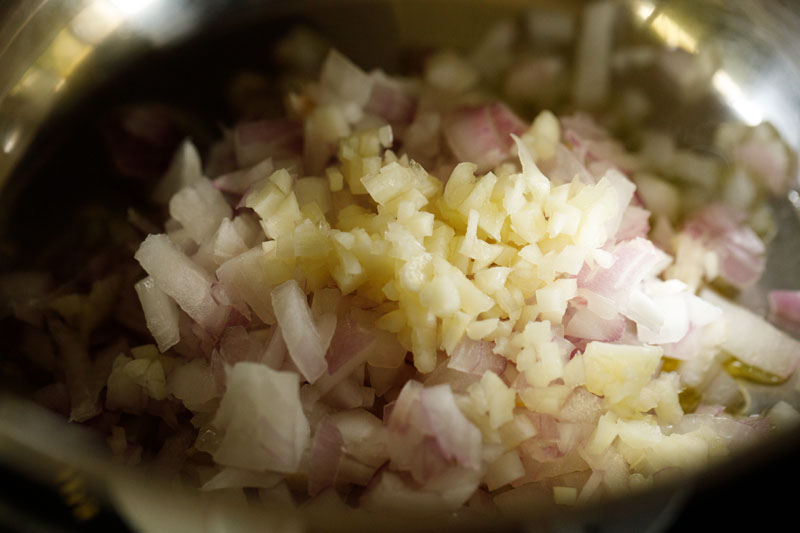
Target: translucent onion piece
[
  {"x": 428, "y": 433},
  {"x": 476, "y": 357},
  {"x": 184, "y": 281},
  {"x": 160, "y": 312},
  {"x": 299, "y": 331},
  {"x": 785, "y": 305},
  {"x": 262, "y": 419},
  {"x": 200, "y": 208},
  {"x": 753, "y": 340},
  {"x": 482, "y": 135},
  {"x": 326, "y": 453},
  {"x": 185, "y": 168}
]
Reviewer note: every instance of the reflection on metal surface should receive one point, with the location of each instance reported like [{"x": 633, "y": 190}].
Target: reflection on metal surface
[
  {"x": 10, "y": 139},
  {"x": 130, "y": 7},
  {"x": 73, "y": 43},
  {"x": 96, "y": 21},
  {"x": 36, "y": 84},
  {"x": 64, "y": 55},
  {"x": 673, "y": 34},
  {"x": 34, "y": 93},
  {"x": 669, "y": 30},
  {"x": 747, "y": 109},
  {"x": 643, "y": 8}
]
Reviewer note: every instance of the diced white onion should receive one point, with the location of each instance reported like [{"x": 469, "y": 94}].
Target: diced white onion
[
  {"x": 299, "y": 331},
  {"x": 184, "y": 281},
  {"x": 161, "y": 314},
  {"x": 263, "y": 424}
]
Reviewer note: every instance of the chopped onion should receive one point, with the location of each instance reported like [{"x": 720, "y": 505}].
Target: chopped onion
[
  {"x": 227, "y": 242},
  {"x": 230, "y": 477},
  {"x": 565, "y": 167},
  {"x": 624, "y": 189},
  {"x": 351, "y": 346},
  {"x": 740, "y": 252},
  {"x": 583, "y": 323},
  {"x": 350, "y": 338},
  {"x": 493, "y": 54},
  {"x": 504, "y": 470},
  {"x": 221, "y": 156},
  {"x": 200, "y": 208},
  {"x": 326, "y": 453},
  {"x": 160, "y": 312},
  {"x": 391, "y": 492},
  {"x": 594, "y": 146},
  {"x": 754, "y": 341},
  {"x": 349, "y": 394},
  {"x": 185, "y": 168},
  {"x": 238, "y": 344},
  {"x": 476, "y": 357},
  {"x": 552, "y": 339},
  {"x": 240, "y": 181},
  {"x": 244, "y": 278},
  {"x": 364, "y": 436},
  {"x": 194, "y": 384},
  {"x": 737, "y": 434},
  {"x": 769, "y": 159},
  {"x": 458, "y": 380},
  {"x": 181, "y": 279},
  {"x": 422, "y": 138},
  {"x": 482, "y": 135},
  {"x": 785, "y": 306},
  {"x": 593, "y": 70},
  {"x": 262, "y": 419},
  {"x": 299, "y": 331},
  {"x": 783, "y": 416},
  {"x": 383, "y": 380},
  {"x": 122, "y": 392},
  {"x": 581, "y": 406},
  {"x": 346, "y": 81},
  {"x": 391, "y": 100},
  {"x": 448, "y": 71},
  {"x": 255, "y": 142},
  {"x": 671, "y": 300},
  {"x": 428, "y": 433},
  {"x": 634, "y": 261},
  {"x": 385, "y": 351},
  {"x": 635, "y": 223}
]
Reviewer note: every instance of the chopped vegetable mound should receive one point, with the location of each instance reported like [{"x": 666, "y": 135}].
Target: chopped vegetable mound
[{"x": 405, "y": 294}]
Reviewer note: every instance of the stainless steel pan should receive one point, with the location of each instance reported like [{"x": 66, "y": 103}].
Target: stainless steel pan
[{"x": 66, "y": 64}]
